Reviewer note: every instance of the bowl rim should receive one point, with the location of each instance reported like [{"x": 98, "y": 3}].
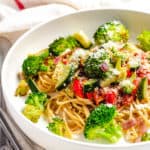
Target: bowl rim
[{"x": 6, "y": 97}]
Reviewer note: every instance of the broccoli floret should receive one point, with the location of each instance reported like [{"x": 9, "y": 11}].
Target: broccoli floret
[
  {"x": 35, "y": 106},
  {"x": 58, "y": 127},
  {"x": 37, "y": 99},
  {"x": 101, "y": 124},
  {"x": 33, "y": 113},
  {"x": 22, "y": 88},
  {"x": 73, "y": 43},
  {"x": 146, "y": 137},
  {"x": 111, "y": 31},
  {"x": 59, "y": 45},
  {"x": 43, "y": 54},
  {"x": 93, "y": 67},
  {"x": 144, "y": 40},
  {"x": 32, "y": 65},
  {"x": 43, "y": 68}
]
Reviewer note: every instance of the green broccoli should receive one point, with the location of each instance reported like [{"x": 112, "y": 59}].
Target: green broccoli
[
  {"x": 59, "y": 45},
  {"x": 144, "y": 40},
  {"x": 37, "y": 99},
  {"x": 96, "y": 65},
  {"x": 32, "y": 65},
  {"x": 33, "y": 113},
  {"x": 58, "y": 127},
  {"x": 34, "y": 106},
  {"x": 146, "y": 137},
  {"x": 101, "y": 124},
  {"x": 111, "y": 31},
  {"x": 73, "y": 43}
]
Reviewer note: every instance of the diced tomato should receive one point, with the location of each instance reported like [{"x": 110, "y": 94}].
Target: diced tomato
[
  {"x": 77, "y": 88},
  {"x": 97, "y": 97},
  {"x": 64, "y": 61},
  {"x": 89, "y": 95},
  {"x": 129, "y": 73},
  {"x": 110, "y": 97}
]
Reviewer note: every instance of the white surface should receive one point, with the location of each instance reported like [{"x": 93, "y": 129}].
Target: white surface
[{"x": 39, "y": 38}]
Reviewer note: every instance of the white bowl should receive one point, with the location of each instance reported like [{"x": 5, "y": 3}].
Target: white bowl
[{"x": 40, "y": 37}]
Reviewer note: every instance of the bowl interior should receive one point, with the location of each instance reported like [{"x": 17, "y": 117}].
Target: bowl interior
[{"x": 40, "y": 37}]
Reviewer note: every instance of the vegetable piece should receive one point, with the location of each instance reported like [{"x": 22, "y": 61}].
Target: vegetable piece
[
  {"x": 32, "y": 85},
  {"x": 92, "y": 67},
  {"x": 101, "y": 124},
  {"x": 43, "y": 54},
  {"x": 117, "y": 74},
  {"x": 33, "y": 113},
  {"x": 106, "y": 82},
  {"x": 22, "y": 88},
  {"x": 73, "y": 43},
  {"x": 111, "y": 31},
  {"x": 114, "y": 76},
  {"x": 82, "y": 38},
  {"x": 122, "y": 70},
  {"x": 144, "y": 40},
  {"x": 77, "y": 88},
  {"x": 146, "y": 137},
  {"x": 129, "y": 73},
  {"x": 59, "y": 45},
  {"x": 89, "y": 85},
  {"x": 63, "y": 75},
  {"x": 58, "y": 127},
  {"x": 142, "y": 92},
  {"x": 37, "y": 99},
  {"x": 32, "y": 65},
  {"x": 90, "y": 95},
  {"x": 128, "y": 85},
  {"x": 110, "y": 97}
]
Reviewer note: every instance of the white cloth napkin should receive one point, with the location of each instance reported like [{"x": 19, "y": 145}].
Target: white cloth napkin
[{"x": 14, "y": 22}]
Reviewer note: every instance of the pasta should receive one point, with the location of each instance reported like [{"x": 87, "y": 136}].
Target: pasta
[
  {"x": 73, "y": 110},
  {"x": 45, "y": 82},
  {"x": 135, "y": 119}
]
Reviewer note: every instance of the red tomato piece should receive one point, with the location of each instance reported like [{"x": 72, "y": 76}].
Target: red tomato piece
[
  {"x": 110, "y": 97},
  {"x": 89, "y": 95},
  {"x": 129, "y": 73},
  {"x": 77, "y": 88}
]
